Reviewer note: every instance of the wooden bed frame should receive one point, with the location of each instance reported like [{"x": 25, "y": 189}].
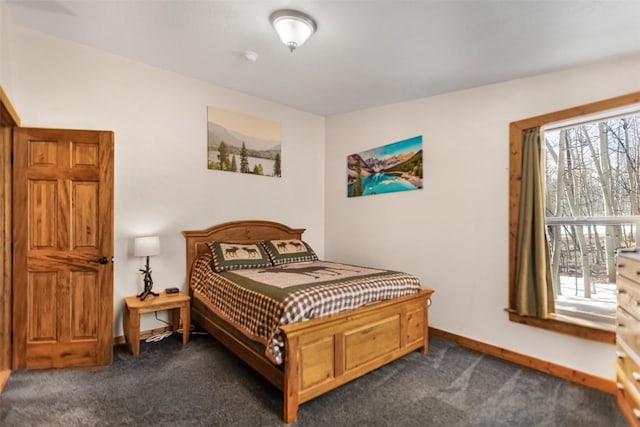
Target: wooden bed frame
[{"x": 320, "y": 354}]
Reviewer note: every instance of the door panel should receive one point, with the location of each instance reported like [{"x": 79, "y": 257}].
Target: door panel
[
  {"x": 84, "y": 214},
  {"x": 85, "y": 155},
  {"x": 63, "y": 223},
  {"x": 42, "y": 306},
  {"x": 42, "y": 153},
  {"x": 84, "y": 323},
  {"x": 43, "y": 195}
]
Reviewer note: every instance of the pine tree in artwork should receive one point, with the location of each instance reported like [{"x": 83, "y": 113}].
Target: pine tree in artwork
[
  {"x": 276, "y": 166},
  {"x": 244, "y": 159},
  {"x": 234, "y": 166},
  {"x": 223, "y": 156}
]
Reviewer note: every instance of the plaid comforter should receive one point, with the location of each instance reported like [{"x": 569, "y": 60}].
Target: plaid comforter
[{"x": 257, "y": 308}]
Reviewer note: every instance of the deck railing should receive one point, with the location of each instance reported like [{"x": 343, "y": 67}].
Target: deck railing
[{"x": 583, "y": 251}]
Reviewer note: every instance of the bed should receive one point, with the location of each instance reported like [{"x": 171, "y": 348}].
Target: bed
[{"x": 318, "y": 354}]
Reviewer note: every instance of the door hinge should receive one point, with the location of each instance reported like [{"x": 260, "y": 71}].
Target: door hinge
[{"x": 11, "y": 158}]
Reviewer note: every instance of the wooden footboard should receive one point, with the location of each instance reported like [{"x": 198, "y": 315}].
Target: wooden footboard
[
  {"x": 325, "y": 353},
  {"x": 322, "y": 354}
]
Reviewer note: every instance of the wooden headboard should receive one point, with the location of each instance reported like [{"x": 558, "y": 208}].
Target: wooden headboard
[{"x": 247, "y": 231}]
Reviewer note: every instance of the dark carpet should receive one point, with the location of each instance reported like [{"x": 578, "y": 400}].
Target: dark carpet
[{"x": 203, "y": 384}]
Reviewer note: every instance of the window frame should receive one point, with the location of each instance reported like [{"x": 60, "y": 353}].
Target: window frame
[{"x": 557, "y": 323}]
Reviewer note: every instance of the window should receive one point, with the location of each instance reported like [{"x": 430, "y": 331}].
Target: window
[{"x": 591, "y": 208}]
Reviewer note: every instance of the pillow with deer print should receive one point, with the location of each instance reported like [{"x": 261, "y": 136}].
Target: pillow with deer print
[
  {"x": 235, "y": 256},
  {"x": 288, "y": 251}
]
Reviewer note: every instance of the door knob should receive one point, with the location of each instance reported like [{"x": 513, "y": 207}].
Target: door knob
[{"x": 102, "y": 260}]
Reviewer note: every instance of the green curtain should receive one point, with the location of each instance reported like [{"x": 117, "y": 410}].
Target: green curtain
[{"x": 534, "y": 287}]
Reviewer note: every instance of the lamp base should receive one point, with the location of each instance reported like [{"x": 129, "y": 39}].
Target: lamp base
[
  {"x": 148, "y": 282},
  {"x": 146, "y": 293}
]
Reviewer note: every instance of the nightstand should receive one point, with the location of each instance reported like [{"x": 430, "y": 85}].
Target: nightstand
[{"x": 178, "y": 304}]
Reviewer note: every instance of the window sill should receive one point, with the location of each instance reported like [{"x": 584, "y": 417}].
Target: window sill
[{"x": 570, "y": 326}]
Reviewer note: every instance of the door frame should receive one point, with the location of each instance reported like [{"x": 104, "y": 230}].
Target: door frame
[{"x": 8, "y": 119}]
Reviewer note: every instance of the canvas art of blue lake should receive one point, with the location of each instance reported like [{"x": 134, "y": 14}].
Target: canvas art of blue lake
[{"x": 383, "y": 183}]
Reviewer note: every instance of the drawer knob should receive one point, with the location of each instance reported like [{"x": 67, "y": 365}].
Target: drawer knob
[
  {"x": 620, "y": 265},
  {"x": 619, "y": 385},
  {"x": 621, "y": 354},
  {"x": 622, "y": 291},
  {"x": 636, "y": 413},
  {"x": 636, "y": 375}
]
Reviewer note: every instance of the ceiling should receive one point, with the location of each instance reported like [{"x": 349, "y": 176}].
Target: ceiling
[{"x": 364, "y": 53}]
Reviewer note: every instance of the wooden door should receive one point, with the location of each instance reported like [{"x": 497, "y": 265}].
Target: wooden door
[{"x": 63, "y": 248}]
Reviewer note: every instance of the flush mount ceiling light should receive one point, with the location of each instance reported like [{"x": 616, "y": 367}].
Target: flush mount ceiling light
[{"x": 293, "y": 27}]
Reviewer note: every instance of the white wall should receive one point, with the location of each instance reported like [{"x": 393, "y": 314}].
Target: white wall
[
  {"x": 4, "y": 47},
  {"x": 453, "y": 234},
  {"x": 162, "y": 184}
]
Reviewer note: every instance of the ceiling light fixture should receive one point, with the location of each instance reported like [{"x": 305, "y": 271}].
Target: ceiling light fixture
[{"x": 293, "y": 27}]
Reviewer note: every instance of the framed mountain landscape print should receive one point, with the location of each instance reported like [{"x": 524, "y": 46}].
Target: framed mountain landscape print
[
  {"x": 241, "y": 143},
  {"x": 390, "y": 168}
]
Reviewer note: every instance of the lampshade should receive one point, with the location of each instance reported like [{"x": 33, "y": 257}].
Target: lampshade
[
  {"x": 146, "y": 246},
  {"x": 293, "y": 27}
]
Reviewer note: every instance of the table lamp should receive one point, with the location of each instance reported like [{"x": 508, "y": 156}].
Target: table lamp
[{"x": 146, "y": 246}]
